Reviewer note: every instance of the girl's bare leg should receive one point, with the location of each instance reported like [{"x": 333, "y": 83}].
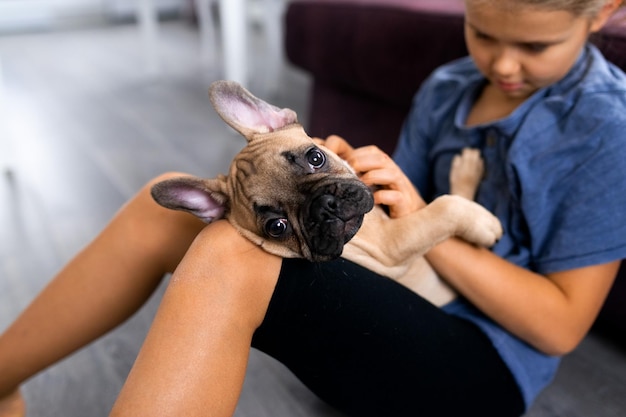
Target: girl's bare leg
[
  {"x": 194, "y": 358},
  {"x": 13, "y": 405},
  {"x": 99, "y": 289}
]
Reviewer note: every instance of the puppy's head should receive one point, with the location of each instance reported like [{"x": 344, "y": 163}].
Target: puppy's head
[{"x": 285, "y": 193}]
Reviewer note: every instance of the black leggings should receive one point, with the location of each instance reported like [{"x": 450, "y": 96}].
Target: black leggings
[{"x": 370, "y": 347}]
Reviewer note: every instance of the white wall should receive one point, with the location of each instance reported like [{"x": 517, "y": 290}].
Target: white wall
[{"x": 46, "y": 14}]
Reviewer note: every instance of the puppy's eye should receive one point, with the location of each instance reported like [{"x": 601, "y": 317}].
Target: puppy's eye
[
  {"x": 276, "y": 227},
  {"x": 316, "y": 158}
]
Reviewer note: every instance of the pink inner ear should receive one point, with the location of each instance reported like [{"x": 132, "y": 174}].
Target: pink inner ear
[
  {"x": 200, "y": 204},
  {"x": 255, "y": 114},
  {"x": 281, "y": 118}
]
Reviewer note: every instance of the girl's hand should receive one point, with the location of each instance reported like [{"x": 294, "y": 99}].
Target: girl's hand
[
  {"x": 377, "y": 170},
  {"x": 337, "y": 145}
]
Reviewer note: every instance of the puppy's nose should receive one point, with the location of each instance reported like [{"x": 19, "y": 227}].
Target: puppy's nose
[
  {"x": 325, "y": 208},
  {"x": 328, "y": 203}
]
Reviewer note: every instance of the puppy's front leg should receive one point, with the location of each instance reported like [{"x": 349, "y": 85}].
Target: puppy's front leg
[
  {"x": 447, "y": 216},
  {"x": 466, "y": 172}
]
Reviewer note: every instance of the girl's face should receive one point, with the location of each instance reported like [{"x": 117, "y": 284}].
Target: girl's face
[{"x": 522, "y": 49}]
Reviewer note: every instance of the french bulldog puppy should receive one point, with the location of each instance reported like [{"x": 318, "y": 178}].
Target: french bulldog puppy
[{"x": 294, "y": 198}]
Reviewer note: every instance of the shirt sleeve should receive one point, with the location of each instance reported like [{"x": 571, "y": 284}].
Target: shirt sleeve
[{"x": 573, "y": 191}]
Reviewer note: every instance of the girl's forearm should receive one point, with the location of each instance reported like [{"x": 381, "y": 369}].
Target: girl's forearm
[{"x": 552, "y": 313}]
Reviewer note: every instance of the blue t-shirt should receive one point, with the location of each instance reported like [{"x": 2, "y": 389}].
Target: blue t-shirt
[{"x": 555, "y": 176}]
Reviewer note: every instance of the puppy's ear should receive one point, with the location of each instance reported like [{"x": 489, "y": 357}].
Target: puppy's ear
[
  {"x": 205, "y": 199},
  {"x": 246, "y": 113}
]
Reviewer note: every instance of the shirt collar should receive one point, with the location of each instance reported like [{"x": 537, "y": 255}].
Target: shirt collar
[{"x": 509, "y": 124}]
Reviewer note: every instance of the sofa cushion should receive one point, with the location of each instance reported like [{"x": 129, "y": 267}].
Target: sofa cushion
[
  {"x": 373, "y": 47},
  {"x": 368, "y": 58}
]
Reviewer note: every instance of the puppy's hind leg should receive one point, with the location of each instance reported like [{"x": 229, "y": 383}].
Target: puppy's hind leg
[{"x": 466, "y": 172}]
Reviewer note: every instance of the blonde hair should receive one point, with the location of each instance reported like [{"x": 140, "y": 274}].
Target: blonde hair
[{"x": 589, "y": 8}]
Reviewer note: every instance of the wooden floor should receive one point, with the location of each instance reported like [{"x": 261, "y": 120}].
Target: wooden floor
[{"x": 83, "y": 126}]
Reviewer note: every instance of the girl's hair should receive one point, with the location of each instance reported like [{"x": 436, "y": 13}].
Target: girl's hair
[{"x": 576, "y": 7}]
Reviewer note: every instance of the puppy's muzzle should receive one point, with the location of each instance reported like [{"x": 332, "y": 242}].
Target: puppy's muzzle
[{"x": 332, "y": 216}]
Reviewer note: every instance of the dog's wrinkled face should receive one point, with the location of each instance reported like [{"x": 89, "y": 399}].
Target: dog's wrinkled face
[
  {"x": 297, "y": 199},
  {"x": 283, "y": 192}
]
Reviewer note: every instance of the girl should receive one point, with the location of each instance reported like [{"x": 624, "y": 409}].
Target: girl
[{"x": 545, "y": 109}]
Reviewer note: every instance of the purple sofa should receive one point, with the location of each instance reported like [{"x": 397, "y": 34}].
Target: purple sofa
[{"x": 367, "y": 58}]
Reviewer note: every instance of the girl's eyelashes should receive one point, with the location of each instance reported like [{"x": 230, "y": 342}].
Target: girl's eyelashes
[
  {"x": 535, "y": 47},
  {"x": 532, "y": 47},
  {"x": 482, "y": 36}
]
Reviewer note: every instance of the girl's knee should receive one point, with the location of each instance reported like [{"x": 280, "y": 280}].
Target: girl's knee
[
  {"x": 143, "y": 198},
  {"x": 161, "y": 234}
]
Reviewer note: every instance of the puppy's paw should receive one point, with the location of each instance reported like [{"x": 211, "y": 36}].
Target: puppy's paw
[
  {"x": 479, "y": 226},
  {"x": 466, "y": 172}
]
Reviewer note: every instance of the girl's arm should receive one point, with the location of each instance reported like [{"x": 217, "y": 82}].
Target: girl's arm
[{"x": 552, "y": 313}]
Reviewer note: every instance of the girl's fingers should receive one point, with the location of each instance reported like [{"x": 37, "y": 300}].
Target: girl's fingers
[
  {"x": 377, "y": 170},
  {"x": 369, "y": 158},
  {"x": 388, "y": 197},
  {"x": 399, "y": 203},
  {"x": 337, "y": 145}
]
